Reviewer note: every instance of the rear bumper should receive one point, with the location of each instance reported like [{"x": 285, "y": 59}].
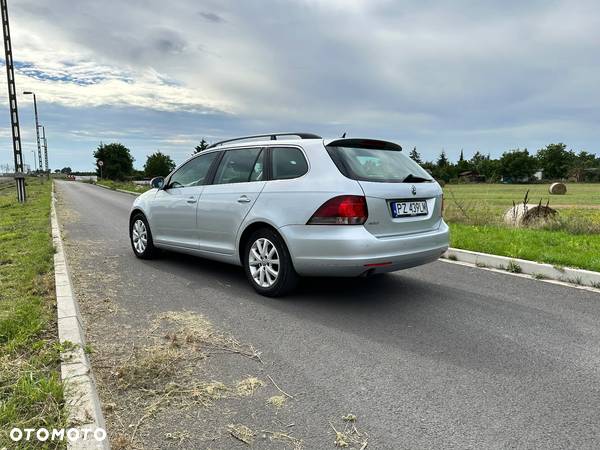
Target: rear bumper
[{"x": 323, "y": 250}]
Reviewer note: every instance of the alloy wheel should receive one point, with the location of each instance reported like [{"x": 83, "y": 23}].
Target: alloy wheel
[
  {"x": 263, "y": 260},
  {"x": 139, "y": 235}
]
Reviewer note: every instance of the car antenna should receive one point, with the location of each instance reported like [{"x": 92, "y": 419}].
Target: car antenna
[{"x": 344, "y": 135}]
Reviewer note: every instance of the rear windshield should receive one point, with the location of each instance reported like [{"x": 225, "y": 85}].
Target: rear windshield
[{"x": 382, "y": 165}]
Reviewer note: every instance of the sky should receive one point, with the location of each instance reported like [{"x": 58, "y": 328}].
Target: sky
[{"x": 156, "y": 75}]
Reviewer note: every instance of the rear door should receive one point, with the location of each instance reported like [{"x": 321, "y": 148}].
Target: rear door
[
  {"x": 402, "y": 198},
  {"x": 224, "y": 204}
]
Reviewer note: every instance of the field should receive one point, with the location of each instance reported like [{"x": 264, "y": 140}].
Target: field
[
  {"x": 475, "y": 211},
  {"x": 31, "y": 394}
]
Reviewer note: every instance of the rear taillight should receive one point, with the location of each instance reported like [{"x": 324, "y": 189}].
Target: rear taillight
[{"x": 341, "y": 210}]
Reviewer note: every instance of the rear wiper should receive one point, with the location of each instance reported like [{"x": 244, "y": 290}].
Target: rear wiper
[{"x": 410, "y": 178}]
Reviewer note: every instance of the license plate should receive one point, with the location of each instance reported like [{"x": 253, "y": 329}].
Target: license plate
[{"x": 407, "y": 209}]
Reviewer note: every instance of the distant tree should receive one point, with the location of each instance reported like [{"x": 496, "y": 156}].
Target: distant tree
[
  {"x": 442, "y": 159},
  {"x": 66, "y": 170},
  {"x": 443, "y": 169},
  {"x": 117, "y": 159},
  {"x": 517, "y": 165},
  {"x": 582, "y": 161},
  {"x": 201, "y": 147},
  {"x": 555, "y": 160},
  {"x": 463, "y": 165},
  {"x": 415, "y": 155},
  {"x": 158, "y": 165},
  {"x": 486, "y": 166},
  {"x": 478, "y": 157}
]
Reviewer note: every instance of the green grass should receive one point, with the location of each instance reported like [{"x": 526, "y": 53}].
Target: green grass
[
  {"x": 553, "y": 247},
  {"x": 125, "y": 185},
  {"x": 475, "y": 215},
  {"x": 31, "y": 394}
]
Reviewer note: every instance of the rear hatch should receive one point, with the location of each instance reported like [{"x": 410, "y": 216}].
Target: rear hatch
[{"x": 402, "y": 198}]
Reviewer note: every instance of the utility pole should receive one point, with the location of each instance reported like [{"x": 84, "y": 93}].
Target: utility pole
[
  {"x": 12, "y": 103},
  {"x": 37, "y": 129},
  {"x": 45, "y": 150}
]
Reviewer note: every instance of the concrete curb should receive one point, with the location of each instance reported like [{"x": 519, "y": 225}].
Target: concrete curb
[
  {"x": 119, "y": 190},
  {"x": 565, "y": 275},
  {"x": 81, "y": 396}
]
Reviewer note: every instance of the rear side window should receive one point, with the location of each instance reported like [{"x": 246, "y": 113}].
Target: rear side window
[
  {"x": 376, "y": 164},
  {"x": 288, "y": 162},
  {"x": 240, "y": 166},
  {"x": 192, "y": 173}
]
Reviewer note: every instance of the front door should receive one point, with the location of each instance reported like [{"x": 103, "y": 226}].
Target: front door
[{"x": 173, "y": 211}]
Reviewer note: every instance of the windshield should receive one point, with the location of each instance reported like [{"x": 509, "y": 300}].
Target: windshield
[{"x": 382, "y": 165}]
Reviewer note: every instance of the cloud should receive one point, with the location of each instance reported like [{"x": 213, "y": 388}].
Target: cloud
[
  {"x": 433, "y": 74},
  {"x": 212, "y": 17}
]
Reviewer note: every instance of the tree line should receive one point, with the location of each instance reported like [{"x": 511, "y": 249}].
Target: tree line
[
  {"x": 554, "y": 161},
  {"x": 117, "y": 162}
]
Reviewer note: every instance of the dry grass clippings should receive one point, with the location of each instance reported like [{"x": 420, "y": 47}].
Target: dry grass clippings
[
  {"x": 350, "y": 436},
  {"x": 241, "y": 433},
  {"x": 277, "y": 401}
]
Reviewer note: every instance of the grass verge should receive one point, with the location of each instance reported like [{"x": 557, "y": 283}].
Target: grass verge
[
  {"x": 124, "y": 185},
  {"x": 553, "y": 247},
  {"x": 31, "y": 393}
]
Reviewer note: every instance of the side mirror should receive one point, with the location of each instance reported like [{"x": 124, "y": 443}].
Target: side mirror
[{"x": 157, "y": 182}]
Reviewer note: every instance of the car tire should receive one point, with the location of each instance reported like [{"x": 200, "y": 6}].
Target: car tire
[
  {"x": 273, "y": 249},
  {"x": 139, "y": 230}
]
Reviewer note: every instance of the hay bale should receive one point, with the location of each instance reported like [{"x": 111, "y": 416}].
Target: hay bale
[
  {"x": 557, "y": 189},
  {"x": 522, "y": 214}
]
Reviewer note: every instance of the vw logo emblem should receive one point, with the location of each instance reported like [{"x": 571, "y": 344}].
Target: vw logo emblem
[{"x": 413, "y": 189}]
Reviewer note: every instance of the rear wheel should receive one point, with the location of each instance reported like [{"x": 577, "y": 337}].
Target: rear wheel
[
  {"x": 141, "y": 237},
  {"x": 268, "y": 264}
]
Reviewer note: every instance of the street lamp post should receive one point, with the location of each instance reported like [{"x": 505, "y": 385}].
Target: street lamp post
[{"x": 37, "y": 129}]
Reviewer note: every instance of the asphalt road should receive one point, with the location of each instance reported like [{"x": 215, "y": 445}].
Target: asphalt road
[{"x": 441, "y": 356}]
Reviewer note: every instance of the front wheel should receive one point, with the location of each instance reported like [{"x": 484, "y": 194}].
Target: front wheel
[
  {"x": 141, "y": 237},
  {"x": 268, "y": 264}
]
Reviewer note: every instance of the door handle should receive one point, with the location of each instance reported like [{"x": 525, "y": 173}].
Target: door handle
[
  {"x": 192, "y": 200},
  {"x": 244, "y": 199}
]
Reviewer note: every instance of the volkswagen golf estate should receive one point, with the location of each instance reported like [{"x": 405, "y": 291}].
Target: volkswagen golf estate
[{"x": 294, "y": 204}]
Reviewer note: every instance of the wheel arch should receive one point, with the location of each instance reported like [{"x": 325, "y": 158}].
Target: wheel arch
[
  {"x": 134, "y": 211},
  {"x": 245, "y": 235}
]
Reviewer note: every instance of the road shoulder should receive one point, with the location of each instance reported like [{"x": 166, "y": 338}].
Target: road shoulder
[{"x": 76, "y": 373}]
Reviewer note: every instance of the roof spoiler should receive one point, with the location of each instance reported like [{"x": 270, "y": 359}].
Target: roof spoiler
[{"x": 365, "y": 143}]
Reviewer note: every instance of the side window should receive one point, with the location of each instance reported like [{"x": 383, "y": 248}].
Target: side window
[
  {"x": 194, "y": 172},
  {"x": 288, "y": 162},
  {"x": 240, "y": 166}
]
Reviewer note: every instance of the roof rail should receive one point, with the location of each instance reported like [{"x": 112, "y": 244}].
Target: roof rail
[{"x": 272, "y": 136}]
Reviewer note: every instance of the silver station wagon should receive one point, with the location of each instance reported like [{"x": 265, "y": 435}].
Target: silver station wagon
[{"x": 286, "y": 205}]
